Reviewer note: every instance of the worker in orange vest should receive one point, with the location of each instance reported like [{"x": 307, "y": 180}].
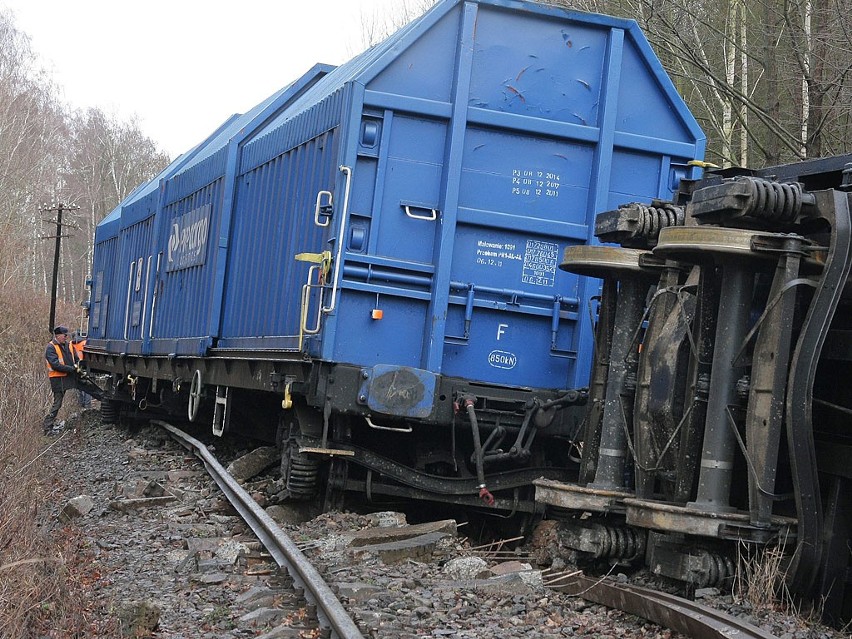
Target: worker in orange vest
[{"x": 61, "y": 372}]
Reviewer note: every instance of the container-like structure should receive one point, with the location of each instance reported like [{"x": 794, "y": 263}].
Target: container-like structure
[{"x": 377, "y": 246}]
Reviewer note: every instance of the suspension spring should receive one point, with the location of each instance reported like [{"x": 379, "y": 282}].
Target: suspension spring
[
  {"x": 773, "y": 200},
  {"x": 620, "y": 543},
  {"x": 110, "y": 410},
  {"x": 719, "y": 570},
  {"x": 303, "y": 476},
  {"x": 654, "y": 218}
]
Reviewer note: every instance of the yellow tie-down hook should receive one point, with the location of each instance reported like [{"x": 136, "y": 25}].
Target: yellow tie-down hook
[
  {"x": 323, "y": 259},
  {"x": 322, "y": 266}
]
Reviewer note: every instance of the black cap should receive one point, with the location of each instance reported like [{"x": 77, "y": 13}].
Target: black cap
[{"x": 63, "y": 330}]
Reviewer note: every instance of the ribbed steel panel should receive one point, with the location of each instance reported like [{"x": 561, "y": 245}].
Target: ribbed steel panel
[
  {"x": 144, "y": 223},
  {"x": 135, "y": 267},
  {"x": 103, "y": 278},
  {"x": 273, "y": 222},
  {"x": 125, "y": 235},
  {"x": 183, "y": 295}
]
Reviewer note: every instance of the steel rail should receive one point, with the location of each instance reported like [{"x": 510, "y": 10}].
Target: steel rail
[
  {"x": 330, "y": 611},
  {"x": 670, "y": 611}
]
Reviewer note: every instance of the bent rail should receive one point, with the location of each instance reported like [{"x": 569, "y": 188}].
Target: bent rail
[
  {"x": 330, "y": 611},
  {"x": 687, "y": 617}
]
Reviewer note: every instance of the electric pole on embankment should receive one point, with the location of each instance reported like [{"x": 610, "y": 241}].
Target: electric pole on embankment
[{"x": 59, "y": 208}]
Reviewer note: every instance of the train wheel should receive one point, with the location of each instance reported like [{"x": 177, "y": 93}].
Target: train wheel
[
  {"x": 195, "y": 392},
  {"x": 338, "y": 468},
  {"x": 335, "y": 487}
]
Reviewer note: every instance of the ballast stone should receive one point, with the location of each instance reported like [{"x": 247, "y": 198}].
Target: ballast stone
[
  {"x": 76, "y": 507},
  {"x": 358, "y": 592},
  {"x": 230, "y": 550},
  {"x": 263, "y": 616},
  {"x": 418, "y": 548},
  {"x": 465, "y": 568},
  {"x": 257, "y": 597},
  {"x": 387, "y": 534},
  {"x": 387, "y": 519},
  {"x": 508, "y": 567},
  {"x": 293, "y": 513},
  {"x": 138, "y": 618}
]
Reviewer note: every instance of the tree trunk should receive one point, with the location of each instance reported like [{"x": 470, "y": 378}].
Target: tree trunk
[{"x": 772, "y": 100}]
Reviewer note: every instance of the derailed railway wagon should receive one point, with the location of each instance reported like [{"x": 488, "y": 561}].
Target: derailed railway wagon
[
  {"x": 364, "y": 267},
  {"x": 718, "y": 422}
]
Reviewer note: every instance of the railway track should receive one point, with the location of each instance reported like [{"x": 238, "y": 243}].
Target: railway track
[
  {"x": 333, "y": 619},
  {"x": 676, "y": 613},
  {"x": 686, "y": 617}
]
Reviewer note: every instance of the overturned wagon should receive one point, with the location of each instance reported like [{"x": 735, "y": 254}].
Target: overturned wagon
[{"x": 727, "y": 432}]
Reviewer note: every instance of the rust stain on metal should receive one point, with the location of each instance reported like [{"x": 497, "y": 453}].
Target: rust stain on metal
[{"x": 516, "y": 92}]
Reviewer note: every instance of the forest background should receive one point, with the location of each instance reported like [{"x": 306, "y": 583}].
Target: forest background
[{"x": 768, "y": 80}]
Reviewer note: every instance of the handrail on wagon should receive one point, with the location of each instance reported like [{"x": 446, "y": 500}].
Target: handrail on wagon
[{"x": 339, "y": 257}]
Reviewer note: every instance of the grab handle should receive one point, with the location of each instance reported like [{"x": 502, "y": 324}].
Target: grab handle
[
  {"x": 335, "y": 282},
  {"x": 411, "y": 209},
  {"x": 323, "y": 208}
]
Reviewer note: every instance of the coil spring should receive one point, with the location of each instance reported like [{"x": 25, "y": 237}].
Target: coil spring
[
  {"x": 773, "y": 200},
  {"x": 620, "y": 543},
  {"x": 303, "y": 475},
  {"x": 719, "y": 570},
  {"x": 652, "y": 219},
  {"x": 110, "y": 410}
]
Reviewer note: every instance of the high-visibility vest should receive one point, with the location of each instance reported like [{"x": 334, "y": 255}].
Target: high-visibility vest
[
  {"x": 50, "y": 371},
  {"x": 77, "y": 350}
]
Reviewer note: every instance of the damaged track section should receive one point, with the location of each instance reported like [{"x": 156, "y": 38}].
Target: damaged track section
[
  {"x": 330, "y": 611},
  {"x": 687, "y": 617}
]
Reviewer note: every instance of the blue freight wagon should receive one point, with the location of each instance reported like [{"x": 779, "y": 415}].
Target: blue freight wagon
[{"x": 365, "y": 264}]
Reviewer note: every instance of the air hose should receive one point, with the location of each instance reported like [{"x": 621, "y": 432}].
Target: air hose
[{"x": 484, "y": 494}]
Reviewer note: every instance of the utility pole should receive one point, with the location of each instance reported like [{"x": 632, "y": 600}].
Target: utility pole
[{"x": 59, "y": 208}]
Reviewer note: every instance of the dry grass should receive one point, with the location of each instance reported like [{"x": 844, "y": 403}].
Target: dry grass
[
  {"x": 761, "y": 582},
  {"x": 35, "y": 573},
  {"x": 760, "y": 578}
]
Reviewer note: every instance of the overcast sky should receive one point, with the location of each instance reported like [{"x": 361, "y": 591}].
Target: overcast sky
[{"x": 184, "y": 66}]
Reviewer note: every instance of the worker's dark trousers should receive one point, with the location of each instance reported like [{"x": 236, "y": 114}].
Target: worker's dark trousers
[
  {"x": 54, "y": 410},
  {"x": 58, "y": 385}
]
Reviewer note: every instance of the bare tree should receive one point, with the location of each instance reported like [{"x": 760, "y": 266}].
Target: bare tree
[
  {"x": 377, "y": 26},
  {"x": 32, "y": 128},
  {"x": 48, "y": 153},
  {"x": 107, "y": 159},
  {"x": 768, "y": 79}
]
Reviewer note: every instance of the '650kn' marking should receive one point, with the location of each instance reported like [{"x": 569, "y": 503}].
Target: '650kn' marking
[{"x": 502, "y": 359}]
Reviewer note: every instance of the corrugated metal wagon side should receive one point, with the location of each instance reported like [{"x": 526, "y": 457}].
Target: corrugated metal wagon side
[{"x": 103, "y": 276}]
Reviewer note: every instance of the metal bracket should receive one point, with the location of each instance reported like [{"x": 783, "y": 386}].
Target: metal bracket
[
  {"x": 221, "y": 410},
  {"x": 371, "y": 424},
  {"x": 331, "y": 452}
]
